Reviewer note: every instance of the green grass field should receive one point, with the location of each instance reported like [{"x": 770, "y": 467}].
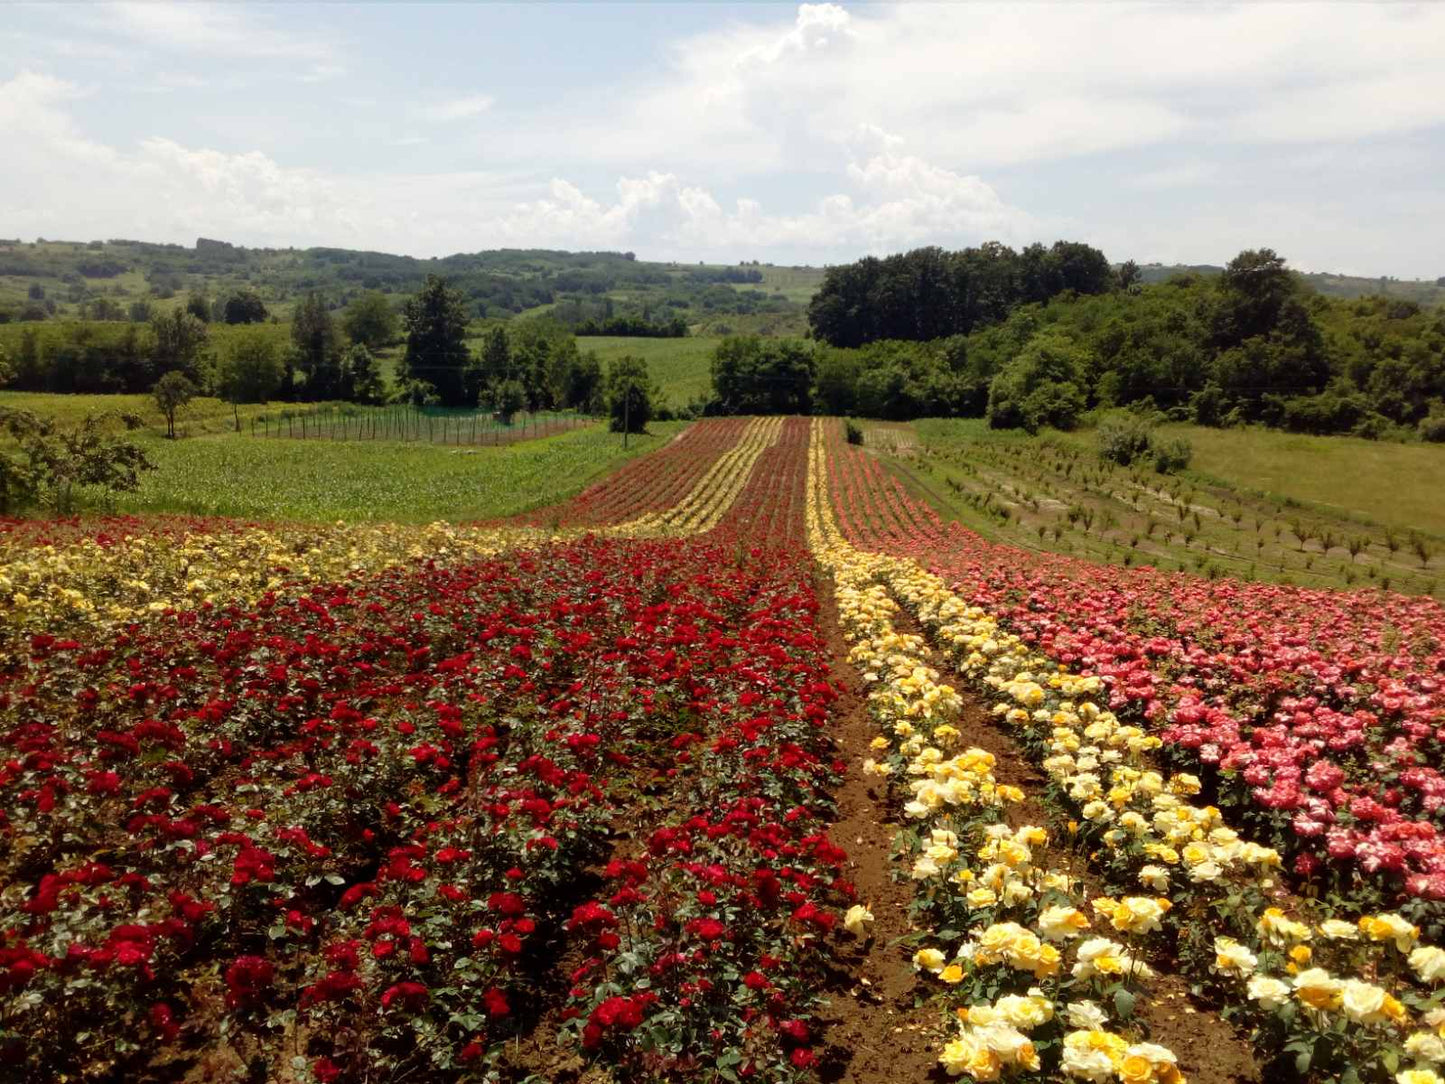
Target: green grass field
[
  {"x": 1318, "y": 511},
  {"x": 231, "y": 475},
  {"x": 797, "y": 284},
  {"x": 202, "y": 415},
  {"x": 681, "y": 367},
  {"x": 1398, "y": 485}
]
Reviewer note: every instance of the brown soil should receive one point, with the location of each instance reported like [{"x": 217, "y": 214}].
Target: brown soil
[{"x": 876, "y": 1028}]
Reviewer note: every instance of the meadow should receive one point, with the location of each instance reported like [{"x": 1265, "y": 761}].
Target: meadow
[
  {"x": 1319, "y": 511},
  {"x": 681, "y": 367}
]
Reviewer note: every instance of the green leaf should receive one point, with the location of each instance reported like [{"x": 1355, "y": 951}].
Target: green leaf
[{"x": 1124, "y": 1003}]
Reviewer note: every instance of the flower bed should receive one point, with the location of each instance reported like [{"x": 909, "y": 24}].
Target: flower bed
[
  {"x": 348, "y": 823},
  {"x": 1318, "y": 715},
  {"x": 1329, "y": 998}
]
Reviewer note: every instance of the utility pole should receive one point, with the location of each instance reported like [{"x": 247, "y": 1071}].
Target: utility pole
[{"x": 626, "y": 408}]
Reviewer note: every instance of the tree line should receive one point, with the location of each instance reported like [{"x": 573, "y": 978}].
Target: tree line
[
  {"x": 930, "y": 293},
  {"x": 1252, "y": 345}
]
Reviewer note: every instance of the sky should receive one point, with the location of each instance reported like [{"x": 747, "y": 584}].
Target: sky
[{"x": 813, "y": 133}]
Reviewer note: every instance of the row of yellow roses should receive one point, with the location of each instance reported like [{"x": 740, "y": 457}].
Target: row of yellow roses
[
  {"x": 1143, "y": 823},
  {"x": 959, "y": 804}
]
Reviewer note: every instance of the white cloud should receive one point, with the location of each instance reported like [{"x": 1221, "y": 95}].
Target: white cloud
[
  {"x": 165, "y": 190},
  {"x": 215, "y": 30},
  {"x": 472, "y": 105},
  {"x": 806, "y": 132}
]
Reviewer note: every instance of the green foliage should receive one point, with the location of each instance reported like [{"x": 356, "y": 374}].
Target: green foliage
[
  {"x": 371, "y": 320},
  {"x": 179, "y": 338},
  {"x": 495, "y": 365},
  {"x": 436, "y": 349},
  {"x": 361, "y": 380},
  {"x": 631, "y": 395},
  {"x": 751, "y": 375},
  {"x": 1172, "y": 455},
  {"x": 855, "y": 435},
  {"x": 1040, "y": 386},
  {"x": 930, "y": 294},
  {"x": 1123, "y": 439},
  {"x": 44, "y": 461},
  {"x": 171, "y": 393},
  {"x": 318, "y": 348},
  {"x": 199, "y": 306},
  {"x": 251, "y": 367},
  {"x": 509, "y": 397},
  {"x": 244, "y": 306},
  {"x": 1432, "y": 429}
]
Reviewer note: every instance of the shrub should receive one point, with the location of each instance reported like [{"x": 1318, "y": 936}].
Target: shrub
[
  {"x": 1172, "y": 455},
  {"x": 510, "y": 397},
  {"x": 855, "y": 435},
  {"x": 1123, "y": 439},
  {"x": 1432, "y": 429}
]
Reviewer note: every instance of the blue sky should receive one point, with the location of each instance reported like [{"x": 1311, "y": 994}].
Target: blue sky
[{"x": 792, "y": 133}]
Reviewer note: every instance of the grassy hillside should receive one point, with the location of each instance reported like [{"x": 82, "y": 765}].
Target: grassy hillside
[
  {"x": 1398, "y": 485},
  {"x": 681, "y": 367},
  {"x": 1422, "y": 291},
  {"x": 70, "y": 279},
  {"x": 1321, "y": 511}
]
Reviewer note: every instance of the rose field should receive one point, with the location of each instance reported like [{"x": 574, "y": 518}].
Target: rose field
[{"x": 741, "y": 764}]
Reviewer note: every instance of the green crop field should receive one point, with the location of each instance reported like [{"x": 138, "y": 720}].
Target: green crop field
[
  {"x": 1317, "y": 511},
  {"x": 237, "y": 475},
  {"x": 681, "y": 367}
]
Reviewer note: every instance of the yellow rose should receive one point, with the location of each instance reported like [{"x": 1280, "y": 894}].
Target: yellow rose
[{"x": 857, "y": 920}]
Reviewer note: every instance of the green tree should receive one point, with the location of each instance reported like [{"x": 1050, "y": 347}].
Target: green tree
[
  {"x": 495, "y": 365},
  {"x": 252, "y": 369},
  {"x": 584, "y": 383},
  {"x": 1040, "y": 386},
  {"x": 171, "y": 393},
  {"x": 436, "y": 348},
  {"x": 244, "y": 307},
  {"x": 371, "y": 321},
  {"x": 318, "y": 348},
  {"x": 179, "y": 339},
  {"x": 199, "y": 306},
  {"x": 361, "y": 380},
  {"x": 835, "y": 388},
  {"x": 630, "y": 394},
  {"x": 1252, "y": 293},
  {"x": 43, "y": 462},
  {"x": 751, "y": 375},
  {"x": 509, "y": 396}
]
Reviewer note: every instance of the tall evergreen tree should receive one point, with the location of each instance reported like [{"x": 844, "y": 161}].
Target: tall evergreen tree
[
  {"x": 318, "y": 348},
  {"x": 436, "y": 348}
]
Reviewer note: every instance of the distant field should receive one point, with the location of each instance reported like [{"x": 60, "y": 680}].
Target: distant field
[
  {"x": 1400, "y": 485},
  {"x": 682, "y": 367},
  {"x": 1370, "y": 513},
  {"x": 204, "y": 415},
  {"x": 795, "y": 283},
  {"x": 230, "y": 475}
]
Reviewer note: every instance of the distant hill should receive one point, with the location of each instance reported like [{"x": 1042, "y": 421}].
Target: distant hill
[
  {"x": 1423, "y": 291},
  {"x": 63, "y": 278}
]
